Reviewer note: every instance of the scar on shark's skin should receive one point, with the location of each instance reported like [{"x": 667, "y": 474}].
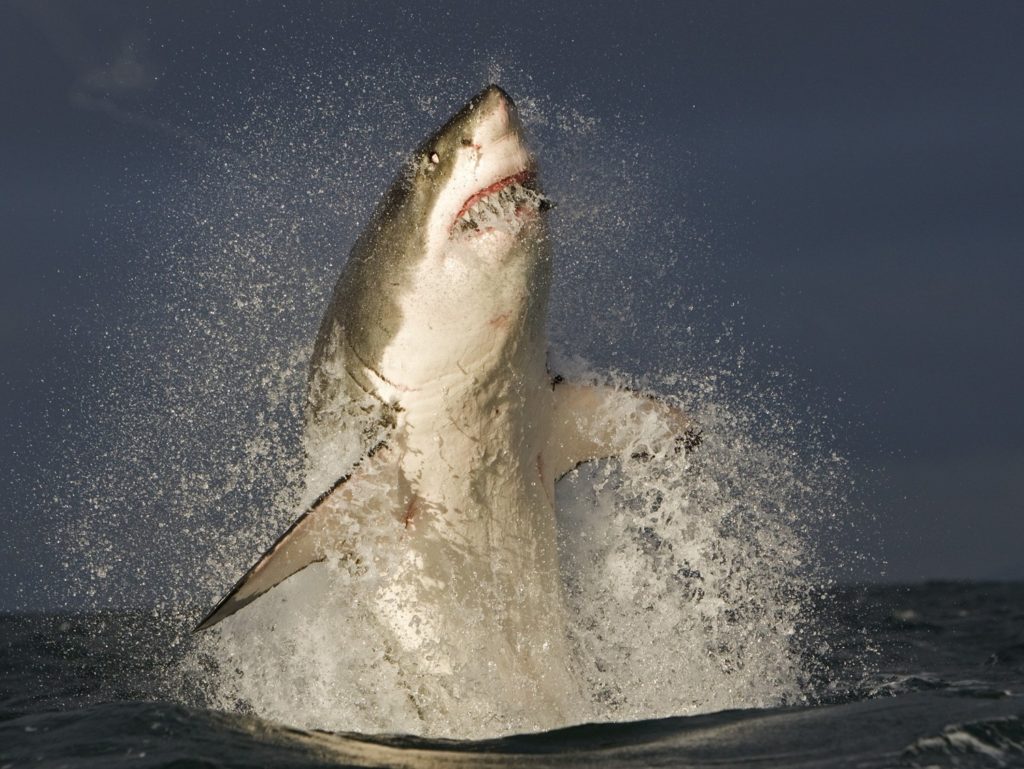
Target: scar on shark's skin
[
  {"x": 410, "y": 511},
  {"x": 543, "y": 482}
]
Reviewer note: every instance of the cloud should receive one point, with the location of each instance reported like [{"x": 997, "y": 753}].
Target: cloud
[{"x": 110, "y": 58}]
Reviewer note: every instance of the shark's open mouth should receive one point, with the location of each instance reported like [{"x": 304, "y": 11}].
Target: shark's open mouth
[{"x": 501, "y": 204}]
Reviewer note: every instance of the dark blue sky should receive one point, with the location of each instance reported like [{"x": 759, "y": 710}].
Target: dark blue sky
[{"x": 849, "y": 176}]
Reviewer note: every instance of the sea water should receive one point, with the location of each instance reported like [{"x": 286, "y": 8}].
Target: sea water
[{"x": 941, "y": 687}]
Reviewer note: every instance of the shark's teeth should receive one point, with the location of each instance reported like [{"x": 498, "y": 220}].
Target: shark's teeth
[{"x": 501, "y": 209}]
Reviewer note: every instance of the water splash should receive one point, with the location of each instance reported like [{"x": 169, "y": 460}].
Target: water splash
[
  {"x": 687, "y": 575},
  {"x": 686, "y": 585}
]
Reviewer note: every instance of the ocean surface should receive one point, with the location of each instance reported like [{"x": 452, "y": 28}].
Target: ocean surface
[{"x": 912, "y": 676}]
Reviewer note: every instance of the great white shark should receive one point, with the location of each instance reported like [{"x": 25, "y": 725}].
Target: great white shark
[{"x": 434, "y": 344}]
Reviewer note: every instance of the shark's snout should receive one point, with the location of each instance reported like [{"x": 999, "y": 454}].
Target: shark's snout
[
  {"x": 493, "y": 101},
  {"x": 495, "y": 119}
]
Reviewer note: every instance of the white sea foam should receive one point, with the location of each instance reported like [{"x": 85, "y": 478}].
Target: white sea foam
[{"x": 685, "y": 587}]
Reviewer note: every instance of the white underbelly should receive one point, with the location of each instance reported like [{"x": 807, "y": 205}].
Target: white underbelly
[{"x": 475, "y": 589}]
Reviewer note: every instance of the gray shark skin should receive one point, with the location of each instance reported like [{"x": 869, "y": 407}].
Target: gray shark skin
[{"x": 434, "y": 346}]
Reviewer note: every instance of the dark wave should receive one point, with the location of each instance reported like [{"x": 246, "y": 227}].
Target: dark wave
[{"x": 921, "y": 676}]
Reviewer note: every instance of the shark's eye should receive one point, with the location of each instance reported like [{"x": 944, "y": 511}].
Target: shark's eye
[{"x": 435, "y": 158}]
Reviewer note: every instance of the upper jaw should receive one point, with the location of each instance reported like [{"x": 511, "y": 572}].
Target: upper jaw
[
  {"x": 526, "y": 177},
  {"x": 504, "y": 206}
]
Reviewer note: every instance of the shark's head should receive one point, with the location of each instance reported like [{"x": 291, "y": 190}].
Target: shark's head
[
  {"x": 473, "y": 182},
  {"x": 477, "y": 176},
  {"x": 456, "y": 258}
]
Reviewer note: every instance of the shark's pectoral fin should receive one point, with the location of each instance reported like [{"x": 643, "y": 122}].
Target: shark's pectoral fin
[
  {"x": 595, "y": 421},
  {"x": 316, "y": 533}
]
